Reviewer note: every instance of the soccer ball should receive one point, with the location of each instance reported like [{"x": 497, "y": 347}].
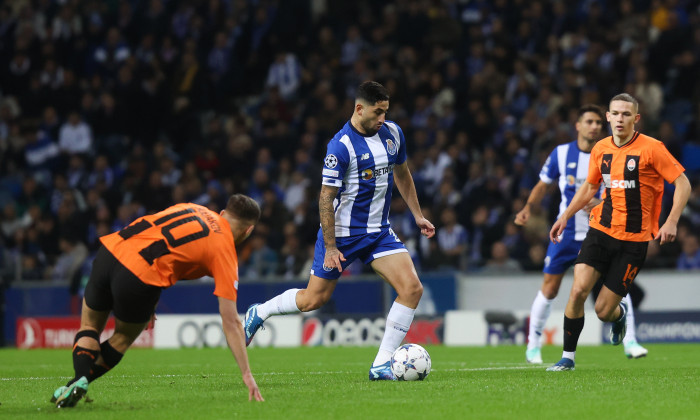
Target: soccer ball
[{"x": 410, "y": 362}]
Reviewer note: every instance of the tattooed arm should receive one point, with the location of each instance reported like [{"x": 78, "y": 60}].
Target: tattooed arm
[{"x": 333, "y": 256}]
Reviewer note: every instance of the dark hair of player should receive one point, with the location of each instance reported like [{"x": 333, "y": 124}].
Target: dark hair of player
[
  {"x": 372, "y": 92},
  {"x": 591, "y": 108},
  {"x": 243, "y": 208}
]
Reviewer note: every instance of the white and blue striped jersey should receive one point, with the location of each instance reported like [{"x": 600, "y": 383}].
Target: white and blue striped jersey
[
  {"x": 362, "y": 168},
  {"x": 569, "y": 165}
]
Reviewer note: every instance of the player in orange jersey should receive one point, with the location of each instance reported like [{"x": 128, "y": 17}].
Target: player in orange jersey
[
  {"x": 133, "y": 266},
  {"x": 633, "y": 168}
]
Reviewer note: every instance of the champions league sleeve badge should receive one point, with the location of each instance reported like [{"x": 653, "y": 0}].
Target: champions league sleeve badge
[{"x": 331, "y": 161}]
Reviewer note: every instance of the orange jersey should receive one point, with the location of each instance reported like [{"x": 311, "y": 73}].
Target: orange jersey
[
  {"x": 182, "y": 242},
  {"x": 633, "y": 176}
]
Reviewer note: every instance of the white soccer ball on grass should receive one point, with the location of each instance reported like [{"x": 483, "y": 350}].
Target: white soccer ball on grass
[{"x": 410, "y": 362}]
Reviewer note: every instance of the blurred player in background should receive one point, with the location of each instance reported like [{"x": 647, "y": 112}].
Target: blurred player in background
[
  {"x": 363, "y": 160},
  {"x": 633, "y": 168},
  {"x": 133, "y": 266},
  {"x": 568, "y": 165}
]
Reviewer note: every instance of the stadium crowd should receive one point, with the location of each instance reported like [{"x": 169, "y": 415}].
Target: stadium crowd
[{"x": 112, "y": 110}]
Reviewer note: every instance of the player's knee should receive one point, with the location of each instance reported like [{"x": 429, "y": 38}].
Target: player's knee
[
  {"x": 579, "y": 294},
  {"x": 311, "y": 302},
  {"x": 604, "y": 312},
  {"x": 550, "y": 291},
  {"x": 411, "y": 292}
]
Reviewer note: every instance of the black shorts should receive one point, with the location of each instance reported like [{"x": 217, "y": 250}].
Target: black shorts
[
  {"x": 113, "y": 287},
  {"x": 618, "y": 261}
]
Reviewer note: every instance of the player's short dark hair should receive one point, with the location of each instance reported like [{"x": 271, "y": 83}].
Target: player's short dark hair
[
  {"x": 243, "y": 208},
  {"x": 591, "y": 108},
  {"x": 626, "y": 97},
  {"x": 372, "y": 92}
]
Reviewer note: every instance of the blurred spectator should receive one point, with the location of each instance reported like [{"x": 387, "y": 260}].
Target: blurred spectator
[
  {"x": 500, "y": 261},
  {"x": 12, "y": 221},
  {"x": 40, "y": 152},
  {"x": 452, "y": 241},
  {"x": 262, "y": 260},
  {"x": 690, "y": 257},
  {"x": 73, "y": 254},
  {"x": 535, "y": 258},
  {"x": 292, "y": 255},
  {"x": 111, "y": 54},
  {"x": 285, "y": 74},
  {"x": 75, "y": 136},
  {"x": 649, "y": 94}
]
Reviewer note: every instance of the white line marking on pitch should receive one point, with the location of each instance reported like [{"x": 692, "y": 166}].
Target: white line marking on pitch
[{"x": 40, "y": 378}]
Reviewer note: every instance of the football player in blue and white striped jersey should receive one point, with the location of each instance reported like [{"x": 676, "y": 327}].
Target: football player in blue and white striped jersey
[{"x": 364, "y": 160}]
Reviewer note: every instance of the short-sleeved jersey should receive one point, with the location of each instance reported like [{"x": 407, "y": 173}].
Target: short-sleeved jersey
[
  {"x": 362, "y": 168},
  {"x": 633, "y": 176},
  {"x": 569, "y": 166},
  {"x": 182, "y": 242}
]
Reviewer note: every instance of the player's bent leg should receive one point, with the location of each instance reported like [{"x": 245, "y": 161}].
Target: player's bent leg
[
  {"x": 551, "y": 285},
  {"x": 607, "y": 304},
  {"x": 633, "y": 350},
  {"x": 539, "y": 313},
  {"x": 398, "y": 270},
  {"x": 610, "y": 307},
  {"x": 93, "y": 320},
  {"x": 86, "y": 350},
  {"x": 113, "y": 349},
  {"x": 318, "y": 291},
  {"x": 316, "y": 294},
  {"x": 585, "y": 277},
  {"x": 125, "y": 333}
]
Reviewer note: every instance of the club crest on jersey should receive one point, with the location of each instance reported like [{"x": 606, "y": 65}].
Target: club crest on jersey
[
  {"x": 390, "y": 147},
  {"x": 331, "y": 161},
  {"x": 631, "y": 165}
]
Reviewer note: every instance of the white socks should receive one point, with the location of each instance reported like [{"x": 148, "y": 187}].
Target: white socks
[
  {"x": 569, "y": 355},
  {"x": 398, "y": 321},
  {"x": 283, "y": 304},
  {"x": 631, "y": 334},
  {"x": 541, "y": 308}
]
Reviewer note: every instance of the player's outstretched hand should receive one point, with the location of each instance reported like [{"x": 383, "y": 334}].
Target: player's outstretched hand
[
  {"x": 426, "y": 228},
  {"x": 557, "y": 229},
  {"x": 253, "y": 390},
  {"x": 522, "y": 217},
  {"x": 333, "y": 259},
  {"x": 667, "y": 233}
]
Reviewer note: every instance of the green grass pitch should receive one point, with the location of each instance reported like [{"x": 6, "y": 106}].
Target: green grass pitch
[{"x": 303, "y": 383}]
